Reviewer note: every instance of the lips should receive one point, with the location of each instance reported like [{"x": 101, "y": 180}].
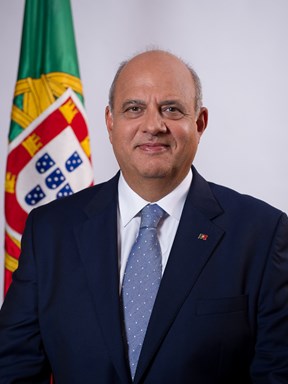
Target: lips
[{"x": 153, "y": 147}]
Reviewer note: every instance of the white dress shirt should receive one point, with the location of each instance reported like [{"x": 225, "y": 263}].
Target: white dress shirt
[{"x": 129, "y": 206}]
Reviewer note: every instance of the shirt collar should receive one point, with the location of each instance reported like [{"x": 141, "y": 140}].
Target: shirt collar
[{"x": 130, "y": 203}]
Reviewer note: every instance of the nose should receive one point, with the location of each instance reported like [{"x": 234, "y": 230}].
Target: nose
[{"x": 153, "y": 122}]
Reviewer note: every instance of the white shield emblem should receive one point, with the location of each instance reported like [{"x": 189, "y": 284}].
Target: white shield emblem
[{"x": 59, "y": 170}]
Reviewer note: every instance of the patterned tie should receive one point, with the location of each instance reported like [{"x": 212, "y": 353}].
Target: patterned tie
[{"x": 141, "y": 281}]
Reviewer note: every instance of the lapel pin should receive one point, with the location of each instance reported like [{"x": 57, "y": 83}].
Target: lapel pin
[{"x": 202, "y": 236}]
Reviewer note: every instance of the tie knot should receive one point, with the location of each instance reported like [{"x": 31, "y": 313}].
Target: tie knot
[{"x": 151, "y": 214}]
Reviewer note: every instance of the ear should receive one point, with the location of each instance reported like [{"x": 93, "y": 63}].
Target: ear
[
  {"x": 109, "y": 122},
  {"x": 202, "y": 121}
]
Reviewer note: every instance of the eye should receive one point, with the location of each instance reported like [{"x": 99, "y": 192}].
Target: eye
[
  {"x": 172, "y": 112},
  {"x": 133, "y": 111}
]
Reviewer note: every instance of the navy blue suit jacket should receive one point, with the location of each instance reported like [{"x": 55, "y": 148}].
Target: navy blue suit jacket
[{"x": 221, "y": 314}]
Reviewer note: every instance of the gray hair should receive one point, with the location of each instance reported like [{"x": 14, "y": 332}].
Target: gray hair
[{"x": 195, "y": 77}]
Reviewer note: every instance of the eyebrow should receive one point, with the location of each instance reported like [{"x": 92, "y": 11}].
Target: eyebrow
[
  {"x": 170, "y": 102},
  {"x": 129, "y": 102}
]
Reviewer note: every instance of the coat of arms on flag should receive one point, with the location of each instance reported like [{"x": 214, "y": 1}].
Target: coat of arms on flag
[{"x": 40, "y": 168}]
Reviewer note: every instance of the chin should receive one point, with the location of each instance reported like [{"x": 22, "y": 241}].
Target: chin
[{"x": 155, "y": 173}]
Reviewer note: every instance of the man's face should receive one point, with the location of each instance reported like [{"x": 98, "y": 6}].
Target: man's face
[{"x": 153, "y": 126}]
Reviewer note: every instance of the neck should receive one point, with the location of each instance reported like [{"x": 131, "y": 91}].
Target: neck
[{"x": 153, "y": 189}]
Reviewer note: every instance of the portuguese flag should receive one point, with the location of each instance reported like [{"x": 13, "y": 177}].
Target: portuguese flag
[{"x": 48, "y": 150}]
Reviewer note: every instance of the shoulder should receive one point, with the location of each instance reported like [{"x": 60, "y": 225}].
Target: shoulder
[
  {"x": 244, "y": 205},
  {"x": 207, "y": 195}
]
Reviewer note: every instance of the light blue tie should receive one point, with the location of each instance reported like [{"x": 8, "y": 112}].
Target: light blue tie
[{"x": 141, "y": 281}]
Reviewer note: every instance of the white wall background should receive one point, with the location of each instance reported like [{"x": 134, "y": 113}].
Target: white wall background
[{"x": 238, "y": 47}]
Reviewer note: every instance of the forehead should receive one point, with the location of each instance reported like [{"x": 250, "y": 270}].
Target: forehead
[{"x": 155, "y": 74}]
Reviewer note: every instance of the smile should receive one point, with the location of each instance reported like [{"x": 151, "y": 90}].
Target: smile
[{"x": 153, "y": 147}]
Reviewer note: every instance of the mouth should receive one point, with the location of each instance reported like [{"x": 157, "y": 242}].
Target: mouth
[{"x": 153, "y": 147}]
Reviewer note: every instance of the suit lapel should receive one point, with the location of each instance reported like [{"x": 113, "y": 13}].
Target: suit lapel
[
  {"x": 97, "y": 242},
  {"x": 187, "y": 259}
]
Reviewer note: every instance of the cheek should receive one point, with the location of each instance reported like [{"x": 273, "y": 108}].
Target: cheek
[
  {"x": 121, "y": 139},
  {"x": 186, "y": 144},
  {"x": 185, "y": 137}
]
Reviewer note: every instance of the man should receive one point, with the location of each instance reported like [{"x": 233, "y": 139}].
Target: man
[{"x": 221, "y": 310}]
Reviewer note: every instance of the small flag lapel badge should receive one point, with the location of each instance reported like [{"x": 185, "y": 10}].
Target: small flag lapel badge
[{"x": 202, "y": 236}]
